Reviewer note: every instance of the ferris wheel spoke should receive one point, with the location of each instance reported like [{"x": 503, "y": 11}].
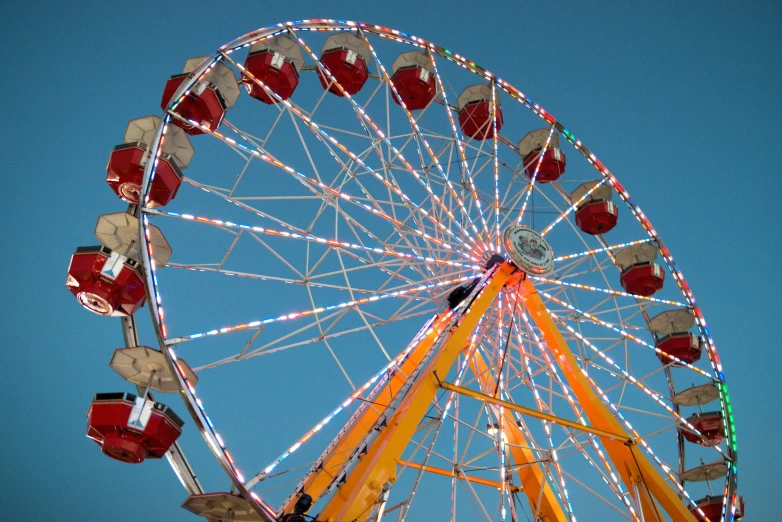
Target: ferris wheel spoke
[
  {"x": 307, "y": 281},
  {"x": 463, "y": 160},
  {"x": 421, "y": 140},
  {"x": 609, "y": 475},
  {"x": 571, "y": 208},
  {"x": 621, "y": 331},
  {"x": 535, "y": 174},
  {"x": 303, "y": 282},
  {"x": 277, "y": 345},
  {"x": 658, "y": 398},
  {"x": 306, "y": 313},
  {"x": 371, "y": 128},
  {"x": 419, "y": 223},
  {"x": 607, "y": 291},
  {"x": 602, "y": 249},
  {"x": 495, "y": 154},
  {"x": 597, "y": 495},
  {"x": 235, "y": 201},
  {"x": 355, "y": 225},
  {"x": 327, "y": 191},
  {"x": 360, "y": 313},
  {"x": 303, "y": 236},
  {"x": 261, "y": 143},
  {"x": 588, "y": 266}
]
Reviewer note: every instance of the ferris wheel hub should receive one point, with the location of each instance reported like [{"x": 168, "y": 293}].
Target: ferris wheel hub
[{"x": 528, "y": 249}]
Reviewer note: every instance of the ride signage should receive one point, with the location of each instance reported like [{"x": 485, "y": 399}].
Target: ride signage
[{"x": 528, "y": 250}]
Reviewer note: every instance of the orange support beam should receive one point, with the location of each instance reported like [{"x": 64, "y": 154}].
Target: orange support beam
[
  {"x": 542, "y": 500},
  {"x": 530, "y": 412},
  {"x": 341, "y": 451},
  {"x": 450, "y": 473},
  {"x": 364, "y": 482},
  {"x": 634, "y": 467}
]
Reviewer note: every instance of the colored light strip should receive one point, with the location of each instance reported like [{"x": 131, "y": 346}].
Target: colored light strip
[
  {"x": 311, "y": 238},
  {"x": 495, "y": 132},
  {"x": 306, "y": 313},
  {"x": 623, "y": 333},
  {"x": 606, "y": 291},
  {"x": 656, "y": 397},
  {"x": 604, "y": 249},
  {"x": 572, "y": 207},
  {"x": 421, "y": 139},
  {"x": 365, "y": 120},
  {"x": 309, "y": 283},
  {"x": 212, "y": 437},
  {"x": 535, "y": 174},
  {"x": 463, "y": 163},
  {"x": 273, "y": 161},
  {"x": 637, "y": 436},
  {"x": 617, "y": 485},
  {"x": 562, "y": 489},
  {"x": 379, "y": 378}
]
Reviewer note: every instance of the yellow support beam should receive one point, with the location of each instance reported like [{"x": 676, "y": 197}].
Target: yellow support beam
[
  {"x": 533, "y": 413},
  {"x": 634, "y": 467},
  {"x": 364, "y": 482},
  {"x": 462, "y": 476},
  {"x": 336, "y": 457},
  {"x": 541, "y": 497}
]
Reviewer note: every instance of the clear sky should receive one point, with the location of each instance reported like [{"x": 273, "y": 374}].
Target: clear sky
[{"x": 681, "y": 102}]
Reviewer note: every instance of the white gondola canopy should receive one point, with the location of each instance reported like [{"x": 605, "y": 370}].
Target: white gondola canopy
[
  {"x": 697, "y": 395},
  {"x": 476, "y": 93},
  {"x": 601, "y": 193},
  {"x": 705, "y": 472},
  {"x": 140, "y": 365},
  {"x": 221, "y": 506},
  {"x": 634, "y": 254},
  {"x": 349, "y": 42},
  {"x": 177, "y": 144},
  {"x": 221, "y": 77},
  {"x": 536, "y": 140},
  {"x": 672, "y": 321},
  {"x": 412, "y": 59},
  {"x": 120, "y": 233},
  {"x": 283, "y": 46}
]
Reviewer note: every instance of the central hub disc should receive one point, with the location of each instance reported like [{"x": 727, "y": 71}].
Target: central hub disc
[{"x": 528, "y": 250}]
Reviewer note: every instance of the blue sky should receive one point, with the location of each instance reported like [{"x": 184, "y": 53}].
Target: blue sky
[{"x": 680, "y": 102}]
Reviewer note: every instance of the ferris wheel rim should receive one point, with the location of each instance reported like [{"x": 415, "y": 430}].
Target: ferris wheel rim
[{"x": 155, "y": 304}]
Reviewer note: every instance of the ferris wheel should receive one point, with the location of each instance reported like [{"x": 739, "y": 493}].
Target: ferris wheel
[{"x": 393, "y": 287}]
